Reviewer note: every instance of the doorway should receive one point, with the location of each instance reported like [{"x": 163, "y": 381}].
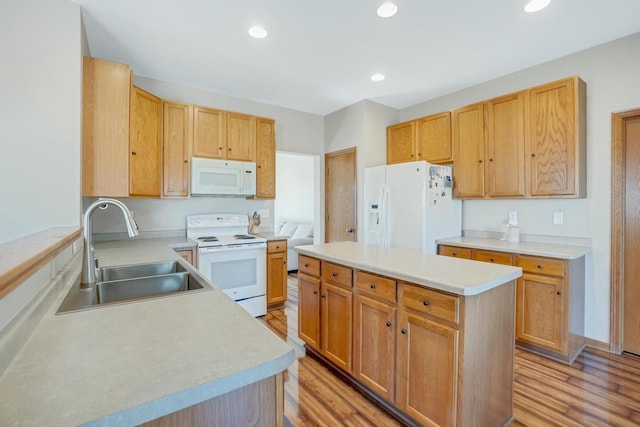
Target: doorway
[
  {"x": 625, "y": 232},
  {"x": 340, "y": 195}
]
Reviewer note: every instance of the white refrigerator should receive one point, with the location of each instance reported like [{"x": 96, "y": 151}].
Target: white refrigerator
[{"x": 410, "y": 206}]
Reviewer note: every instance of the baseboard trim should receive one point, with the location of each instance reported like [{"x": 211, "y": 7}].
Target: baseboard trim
[{"x": 598, "y": 345}]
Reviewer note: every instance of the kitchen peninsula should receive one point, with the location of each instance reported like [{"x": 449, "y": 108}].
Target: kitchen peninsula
[
  {"x": 430, "y": 338},
  {"x": 190, "y": 359}
]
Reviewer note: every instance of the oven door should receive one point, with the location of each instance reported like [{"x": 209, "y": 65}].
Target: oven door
[{"x": 240, "y": 271}]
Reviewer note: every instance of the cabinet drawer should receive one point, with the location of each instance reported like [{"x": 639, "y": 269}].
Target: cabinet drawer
[
  {"x": 308, "y": 265},
  {"x": 276, "y": 246},
  {"x": 491, "y": 256},
  {"x": 381, "y": 287},
  {"x": 337, "y": 274},
  {"x": 548, "y": 266},
  {"x": 434, "y": 303},
  {"x": 454, "y": 251}
]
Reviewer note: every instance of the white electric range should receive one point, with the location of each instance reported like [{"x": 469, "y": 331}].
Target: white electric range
[{"x": 231, "y": 258}]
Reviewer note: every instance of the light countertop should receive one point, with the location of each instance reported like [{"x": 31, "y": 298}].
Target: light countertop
[
  {"x": 552, "y": 250},
  {"x": 130, "y": 363},
  {"x": 271, "y": 236},
  {"x": 458, "y": 276}
]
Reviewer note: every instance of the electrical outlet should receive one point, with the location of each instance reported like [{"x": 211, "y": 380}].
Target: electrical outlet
[
  {"x": 513, "y": 217},
  {"x": 264, "y": 213},
  {"x": 558, "y": 218}
]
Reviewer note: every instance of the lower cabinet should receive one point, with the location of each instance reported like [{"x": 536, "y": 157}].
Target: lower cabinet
[
  {"x": 276, "y": 273},
  {"x": 408, "y": 343},
  {"x": 189, "y": 255}
]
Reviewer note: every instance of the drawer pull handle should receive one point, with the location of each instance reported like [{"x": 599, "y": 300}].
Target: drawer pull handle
[
  {"x": 539, "y": 266},
  {"x": 306, "y": 265},
  {"x": 315, "y": 292},
  {"x": 334, "y": 274},
  {"x": 492, "y": 260},
  {"x": 373, "y": 286},
  {"x": 389, "y": 324},
  {"x": 426, "y": 302},
  {"x": 454, "y": 254},
  {"x": 404, "y": 331}
]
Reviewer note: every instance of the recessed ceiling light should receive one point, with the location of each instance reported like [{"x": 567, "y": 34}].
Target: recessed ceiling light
[
  {"x": 387, "y": 10},
  {"x": 377, "y": 77},
  {"x": 536, "y": 5},
  {"x": 257, "y": 32}
]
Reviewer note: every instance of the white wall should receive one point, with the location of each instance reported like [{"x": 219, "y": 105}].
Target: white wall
[
  {"x": 611, "y": 72},
  {"x": 362, "y": 125},
  {"x": 295, "y": 188},
  {"x": 40, "y": 116}
]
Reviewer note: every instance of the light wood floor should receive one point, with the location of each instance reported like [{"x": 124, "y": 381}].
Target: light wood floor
[{"x": 598, "y": 389}]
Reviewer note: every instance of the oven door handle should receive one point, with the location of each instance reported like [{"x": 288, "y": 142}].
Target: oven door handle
[{"x": 232, "y": 248}]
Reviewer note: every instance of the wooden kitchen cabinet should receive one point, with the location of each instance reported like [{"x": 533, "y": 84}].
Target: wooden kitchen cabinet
[
  {"x": 189, "y": 255},
  {"x": 504, "y": 166},
  {"x": 309, "y": 310},
  {"x": 105, "y": 128},
  {"x": 276, "y": 273},
  {"x": 433, "y": 138},
  {"x": 241, "y": 137},
  {"x": 549, "y": 300},
  {"x": 265, "y": 158},
  {"x": 209, "y": 133},
  {"x": 468, "y": 151},
  {"x": 375, "y": 334},
  {"x": 556, "y": 150},
  {"x": 145, "y": 144},
  {"x": 401, "y": 143},
  {"x": 336, "y": 324},
  {"x": 176, "y": 143}
]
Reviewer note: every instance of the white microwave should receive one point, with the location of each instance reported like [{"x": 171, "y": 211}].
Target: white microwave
[{"x": 222, "y": 177}]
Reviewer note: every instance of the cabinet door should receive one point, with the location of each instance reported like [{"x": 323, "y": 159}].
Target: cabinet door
[
  {"x": 176, "y": 143},
  {"x": 552, "y": 139},
  {"x": 540, "y": 311},
  {"x": 105, "y": 128},
  {"x": 454, "y": 251},
  {"x": 336, "y": 325},
  {"x": 309, "y": 310},
  {"x": 145, "y": 144},
  {"x": 433, "y": 138},
  {"x": 375, "y": 345},
  {"x": 276, "y": 279},
  {"x": 265, "y": 158},
  {"x": 468, "y": 151},
  {"x": 401, "y": 143},
  {"x": 187, "y": 254},
  {"x": 505, "y": 146},
  {"x": 241, "y": 137},
  {"x": 208, "y": 133},
  {"x": 427, "y": 366}
]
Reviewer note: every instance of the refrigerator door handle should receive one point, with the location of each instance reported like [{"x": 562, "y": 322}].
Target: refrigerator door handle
[{"x": 384, "y": 200}]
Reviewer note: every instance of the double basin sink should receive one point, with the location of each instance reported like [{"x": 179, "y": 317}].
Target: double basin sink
[{"x": 128, "y": 283}]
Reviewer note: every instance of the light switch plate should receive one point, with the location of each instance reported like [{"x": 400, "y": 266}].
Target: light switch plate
[
  {"x": 558, "y": 218},
  {"x": 513, "y": 217}
]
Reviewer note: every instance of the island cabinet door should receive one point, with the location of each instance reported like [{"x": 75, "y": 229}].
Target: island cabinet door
[
  {"x": 336, "y": 316},
  {"x": 427, "y": 370},
  {"x": 309, "y": 310},
  {"x": 375, "y": 345}
]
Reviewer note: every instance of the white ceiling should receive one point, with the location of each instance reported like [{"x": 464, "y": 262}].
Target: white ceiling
[{"x": 319, "y": 55}]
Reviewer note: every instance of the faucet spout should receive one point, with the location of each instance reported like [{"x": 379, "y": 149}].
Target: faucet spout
[{"x": 89, "y": 262}]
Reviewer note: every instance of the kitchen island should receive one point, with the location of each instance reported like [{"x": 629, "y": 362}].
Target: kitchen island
[
  {"x": 430, "y": 338},
  {"x": 127, "y": 364}
]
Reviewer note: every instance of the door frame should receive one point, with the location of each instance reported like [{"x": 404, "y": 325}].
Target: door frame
[
  {"x": 618, "y": 202},
  {"x": 355, "y": 186}
]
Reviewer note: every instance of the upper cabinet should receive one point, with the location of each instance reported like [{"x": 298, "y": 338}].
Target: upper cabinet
[
  {"x": 209, "y": 133},
  {"x": 557, "y": 139},
  {"x": 105, "y": 128},
  {"x": 265, "y": 158},
  {"x": 176, "y": 143},
  {"x": 427, "y": 138},
  {"x": 145, "y": 144},
  {"x": 241, "y": 137},
  {"x": 469, "y": 146}
]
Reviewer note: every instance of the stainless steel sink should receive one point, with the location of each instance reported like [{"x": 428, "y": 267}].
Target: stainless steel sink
[{"x": 130, "y": 283}]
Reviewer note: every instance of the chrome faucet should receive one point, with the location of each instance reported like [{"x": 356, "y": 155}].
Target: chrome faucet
[{"x": 89, "y": 262}]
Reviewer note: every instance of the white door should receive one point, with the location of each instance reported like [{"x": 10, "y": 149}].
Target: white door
[
  {"x": 406, "y": 184},
  {"x": 374, "y": 181}
]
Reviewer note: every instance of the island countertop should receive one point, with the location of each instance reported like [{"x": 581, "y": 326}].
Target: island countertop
[
  {"x": 553, "y": 250},
  {"x": 458, "y": 276},
  {"x": 130, "y": 363}
]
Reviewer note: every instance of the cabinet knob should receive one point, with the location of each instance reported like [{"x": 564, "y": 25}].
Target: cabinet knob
[
  {"x": 419, "y": 154},
  {"x": 186, "y": 161},
  {"x": 492, "y": 260},
  {"x": 315, "y": 292},
  {"x": 373, "y": 286},
  {"x": 558, "y": 293},
  {"x": 284, "y": 262},
  {"x": 480, "y": 161},
  {"x": 491, "y": 160},
  {"x": 404, "y": 331},
  {"x": 229, "y": 148},
  {"x": 323, "y": 295},
  {"x": 259, "y": 166},
  {"x": 219, "y": 148},
  {"x": 334, "y": 274},
  {"x": 134, "y": 153},
  {"x": 388, "y": 324},
  {"x": 454, "y": 254},
  {"x": 277, "y": 247},
  {"x": 539, "y": 266},
  {"x": 306, "y": 265},
  {"x": 426, "y": 302},
  {"x": 533, "y": 155}
]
